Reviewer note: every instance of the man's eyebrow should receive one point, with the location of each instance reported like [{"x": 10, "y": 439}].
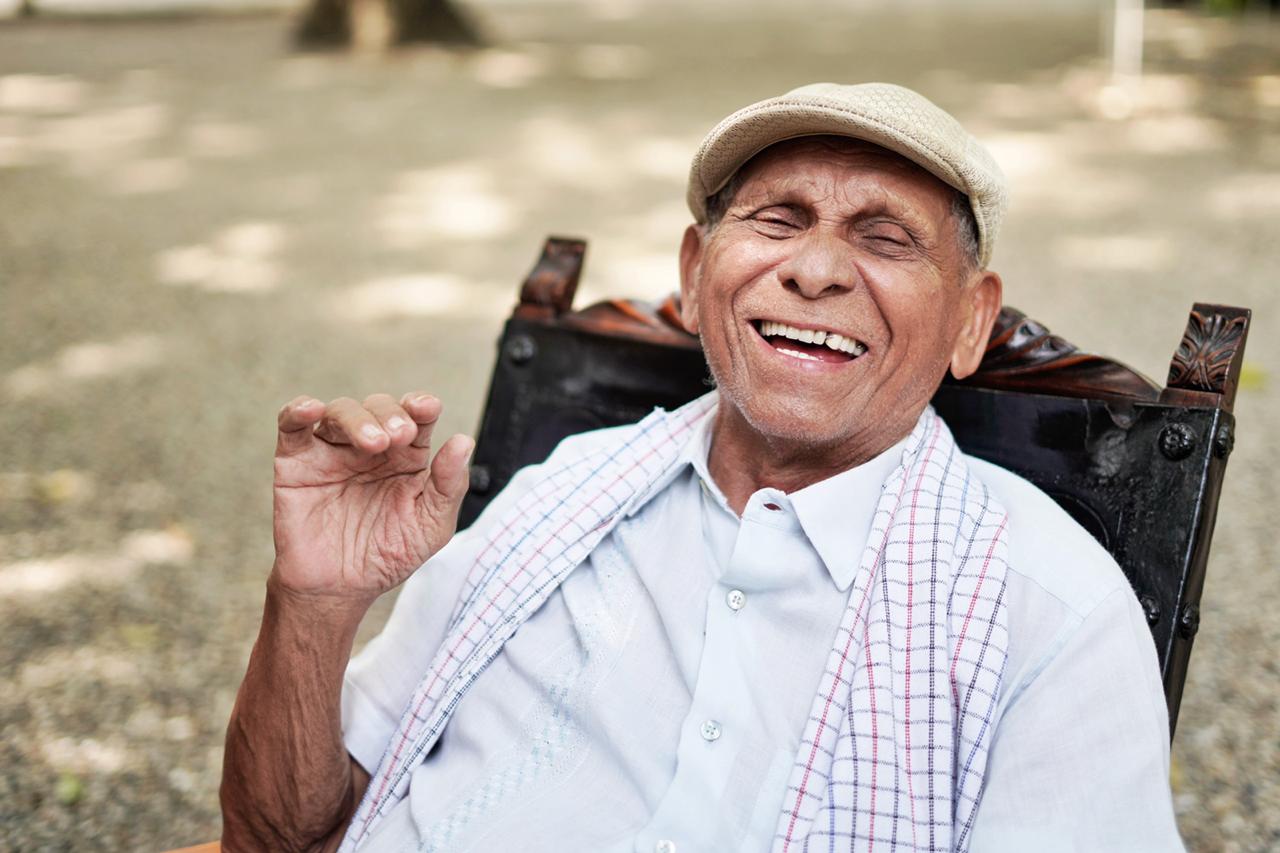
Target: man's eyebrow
[
  {"x": 761, "y": 197},
  {"x": 758, "y": 205},
  {"x": 878, "y": 203}
]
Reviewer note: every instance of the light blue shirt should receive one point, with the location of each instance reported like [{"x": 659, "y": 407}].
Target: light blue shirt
[{"x": 656, "y": 701}]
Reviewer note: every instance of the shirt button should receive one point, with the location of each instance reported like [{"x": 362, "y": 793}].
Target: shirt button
[
  {"x": 664, "y": 846},
  {"x": 736, "y": 599},
  {"x": 710, "y": 731}
]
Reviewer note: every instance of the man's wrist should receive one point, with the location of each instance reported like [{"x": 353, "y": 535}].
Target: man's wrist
[{"x": 320, "y": 616}]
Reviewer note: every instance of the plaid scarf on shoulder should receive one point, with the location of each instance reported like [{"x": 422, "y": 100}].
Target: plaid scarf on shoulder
[{"x": 894, "y": 751}]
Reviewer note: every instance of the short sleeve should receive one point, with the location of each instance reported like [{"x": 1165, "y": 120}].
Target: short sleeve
[{"x": 1080, "y": 759}]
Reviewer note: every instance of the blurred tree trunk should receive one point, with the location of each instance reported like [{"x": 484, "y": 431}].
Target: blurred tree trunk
[{"x": 379, "y": 24}]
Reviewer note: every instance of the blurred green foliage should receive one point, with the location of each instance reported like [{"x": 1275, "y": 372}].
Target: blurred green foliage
[{"x": 69, "y": 789}]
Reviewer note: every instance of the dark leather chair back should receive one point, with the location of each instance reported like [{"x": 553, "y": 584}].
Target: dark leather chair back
[{"x": 1139, "y": 466}]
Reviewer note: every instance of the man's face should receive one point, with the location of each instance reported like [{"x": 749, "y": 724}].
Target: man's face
[{"x": 841, "y": 242}]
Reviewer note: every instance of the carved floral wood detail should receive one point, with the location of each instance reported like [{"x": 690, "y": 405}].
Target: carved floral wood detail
[{"x": 1208, "y": 348}]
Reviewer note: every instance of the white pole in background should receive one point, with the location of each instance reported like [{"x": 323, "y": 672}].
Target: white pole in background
[
  {"x": 1119, "y": 97},
  {"x": 1126, "y": 42}
]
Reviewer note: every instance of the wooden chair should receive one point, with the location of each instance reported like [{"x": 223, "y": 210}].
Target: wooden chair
[{"x": 1139, "y": 466}]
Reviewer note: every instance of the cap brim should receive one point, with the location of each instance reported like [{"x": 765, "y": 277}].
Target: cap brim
[{"x": 748, "y": 132}]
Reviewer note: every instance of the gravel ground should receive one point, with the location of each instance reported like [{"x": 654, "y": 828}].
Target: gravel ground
[{"x": 196, "y": 225}]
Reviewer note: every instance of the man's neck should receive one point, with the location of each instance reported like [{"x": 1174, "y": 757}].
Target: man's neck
[{"x": 742, "y": 460}]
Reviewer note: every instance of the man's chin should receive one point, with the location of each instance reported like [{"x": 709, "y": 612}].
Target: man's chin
[{"x": 793, "y": 419}]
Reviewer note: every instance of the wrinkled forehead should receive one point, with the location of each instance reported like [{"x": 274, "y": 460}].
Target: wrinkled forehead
[{"x": 842, "y": 150}]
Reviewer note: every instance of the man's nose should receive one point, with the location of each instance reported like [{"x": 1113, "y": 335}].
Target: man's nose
[{"x": 821, "y": 264}]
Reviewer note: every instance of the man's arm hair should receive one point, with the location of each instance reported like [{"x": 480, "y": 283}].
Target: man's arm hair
[{"x": 288, "y": 783}]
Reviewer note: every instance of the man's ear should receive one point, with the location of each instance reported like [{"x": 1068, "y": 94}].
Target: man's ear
[
  {"x": 690, "y": 269},
  {"x": 983, "y": 300}
]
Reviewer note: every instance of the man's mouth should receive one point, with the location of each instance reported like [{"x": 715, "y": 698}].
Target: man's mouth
[{"x": 809, "y": 344}]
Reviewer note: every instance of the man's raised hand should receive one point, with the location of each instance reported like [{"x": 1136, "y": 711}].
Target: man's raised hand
[{"x": 359, "y": 502}]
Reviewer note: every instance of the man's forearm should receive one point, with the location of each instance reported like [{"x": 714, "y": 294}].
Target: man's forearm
[{"x": 287, "y": 780}]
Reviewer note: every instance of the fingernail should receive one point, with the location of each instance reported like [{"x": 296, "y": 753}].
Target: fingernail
[
  {"x": 371, "y": 432},
  {"x": 395, "y": 422},
  {"x": 424, "y": 398}
]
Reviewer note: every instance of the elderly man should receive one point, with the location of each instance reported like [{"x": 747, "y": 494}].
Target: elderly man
[{"x": 791, "y": 615}]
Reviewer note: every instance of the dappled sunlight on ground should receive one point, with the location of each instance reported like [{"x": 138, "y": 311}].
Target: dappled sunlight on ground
[
  {"x": 1266, "y": 91},
  {"x": 455, "y": 202},
  {"x": 650, "y": 276},
  {"x": 139, "y": 548},
  {"x": 102, "y": 136},
  {"x": 436, "y": 295},
  {"x": 1111, "y": 253},
  {"x": 659, "y": 157},
  {"x": 216, "y": 138},
  {"x": 85, "y": 754},
  {"x": 612, "y": 62},
  {"x": 239, "y": 259},
  {"x": 1247, "y": 196},
  {"x": 1176, "y": 134},
  {"x": 81, "y": 362},
  {"x": 569, "y": 152},
  {"x": 151, "y": 175},
  {"x": 509, "y": 69},
  {"x": 119, "y": 667},
  {"x": 41, "y": 93},
  {"x": 301, "y": 72},
  {"x": 197, "y": 225}
]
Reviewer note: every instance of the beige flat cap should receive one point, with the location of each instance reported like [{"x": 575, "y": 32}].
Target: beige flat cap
[{"x": 890, "y": 116}]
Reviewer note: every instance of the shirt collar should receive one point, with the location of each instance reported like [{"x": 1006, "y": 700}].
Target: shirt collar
[
  {"x": 836, "y": 514},
  {"x": 697, "y": 454},
  {"x": 698, "y": 442}
]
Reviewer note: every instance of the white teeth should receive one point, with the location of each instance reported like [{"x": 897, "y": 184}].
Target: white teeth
[
  {"x": 772, "y": 328},
  {"x": 845, "y": 345},
  {"x": 797, "y": 354}
]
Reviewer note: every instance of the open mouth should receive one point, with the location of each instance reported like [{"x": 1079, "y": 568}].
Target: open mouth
[{"x": 809, "y": 344}]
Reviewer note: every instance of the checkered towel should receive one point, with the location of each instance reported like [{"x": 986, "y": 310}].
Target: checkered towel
[{"x": 895, "y": 748}]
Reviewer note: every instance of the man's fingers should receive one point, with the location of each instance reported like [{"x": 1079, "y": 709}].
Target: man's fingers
[
  {"x": 393, "y": 418},
  {"x": 299, "y": 413},
  {"x": 347, "y": 422},
  {"x": 374, "y": 426},
  {"x": 425, "y": 411},
  {"x": 295, "y": 422},
  {"x": 447, "y": 483}
]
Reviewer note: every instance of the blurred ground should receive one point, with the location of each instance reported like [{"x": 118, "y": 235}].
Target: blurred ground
[{"x": 196, "y": 225}]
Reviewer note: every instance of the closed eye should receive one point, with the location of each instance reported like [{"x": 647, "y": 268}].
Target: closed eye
[
  {"x": 779, "y": 214},
  {"x": 889, "y": 239},
  {"x": 889, "y": 232}
]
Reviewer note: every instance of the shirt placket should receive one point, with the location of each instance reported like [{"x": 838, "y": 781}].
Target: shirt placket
[{"x": 768, "y": 553}]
